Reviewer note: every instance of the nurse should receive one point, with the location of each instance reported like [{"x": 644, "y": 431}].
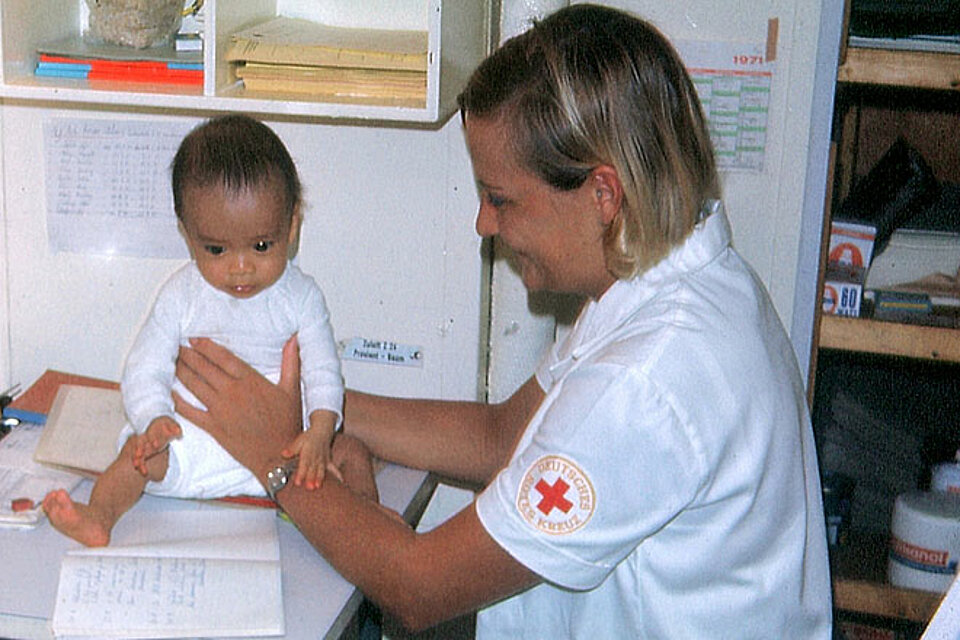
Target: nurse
[{"x": 656, "y": 477}]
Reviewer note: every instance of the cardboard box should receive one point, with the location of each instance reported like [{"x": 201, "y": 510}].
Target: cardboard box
[
  {"x": 851, "y": 244},
  {"x": 842, "y": 290}
]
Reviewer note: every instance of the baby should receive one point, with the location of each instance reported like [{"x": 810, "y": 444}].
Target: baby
[{"x": 237, "y": 196}]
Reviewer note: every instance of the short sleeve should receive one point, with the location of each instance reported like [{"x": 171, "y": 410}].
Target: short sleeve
[{"x": 610, "y": 462}]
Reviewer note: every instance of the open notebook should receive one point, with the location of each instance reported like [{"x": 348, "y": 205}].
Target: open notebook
[{"x": 175, "y": 574}]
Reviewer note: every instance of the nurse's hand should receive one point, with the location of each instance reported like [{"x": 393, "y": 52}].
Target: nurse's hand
[
  {"x": 252, "y": 418},
  {"x": 356, "y": 465}
]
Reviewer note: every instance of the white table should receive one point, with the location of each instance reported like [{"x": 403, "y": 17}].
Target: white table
[{"x": 317, "y": 601}]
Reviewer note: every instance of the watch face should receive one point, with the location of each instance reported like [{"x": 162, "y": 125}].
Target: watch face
[{"x": 278, "y": 478}]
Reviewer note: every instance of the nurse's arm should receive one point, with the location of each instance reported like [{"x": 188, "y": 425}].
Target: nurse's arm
[
  {"x": 464, "y": 440},
  {"x": 422, "y": 579}
]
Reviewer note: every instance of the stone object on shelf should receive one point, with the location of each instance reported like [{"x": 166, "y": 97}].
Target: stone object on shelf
[{"x": 140, "y": 24}]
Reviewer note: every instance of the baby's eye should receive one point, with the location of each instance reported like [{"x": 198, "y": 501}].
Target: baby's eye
[
  {"x": 214, "y": 250},
  {"x": 262, "y": 246}
]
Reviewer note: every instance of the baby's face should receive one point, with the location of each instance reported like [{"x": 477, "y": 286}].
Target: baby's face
[{"x": 240, "y": 241}]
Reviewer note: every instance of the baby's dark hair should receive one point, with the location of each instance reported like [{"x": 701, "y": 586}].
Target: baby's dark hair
[{"x": 238, "y": 152}]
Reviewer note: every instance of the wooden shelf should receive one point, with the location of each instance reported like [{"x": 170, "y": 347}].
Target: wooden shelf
[
  {"x": 914, "y": 69},
  {"x": 890, "y": 338},
  {"x": 914, "y": 79},
  {"x": 884, "y": 600},
  {"x": 461, "y": 26},
  {"x": 859, "y": 583}
]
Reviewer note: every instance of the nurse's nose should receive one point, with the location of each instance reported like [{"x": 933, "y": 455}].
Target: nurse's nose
[{"x": 487, "y": 220}]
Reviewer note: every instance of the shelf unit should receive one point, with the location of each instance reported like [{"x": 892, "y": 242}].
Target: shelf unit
[
  {"x": 859, "y": 569},
  {"x": 458, "y": 36},
  {"x": 859, "y": 582},
  {"x": 888, "y": 338},
  {"x": 912, "y": 69}
]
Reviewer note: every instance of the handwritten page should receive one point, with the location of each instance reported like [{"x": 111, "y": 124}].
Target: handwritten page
[
  {"x": 178, "y": 573},
  {"x": 108, "y": 186}
]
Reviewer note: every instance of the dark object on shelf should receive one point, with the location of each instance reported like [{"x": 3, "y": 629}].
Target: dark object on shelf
[
  {"x": 899, "y": 186},
  {"x": 837, "y": 498},
  {"x": 942, "y": 214},
  {"x": 902, "y": 18}
]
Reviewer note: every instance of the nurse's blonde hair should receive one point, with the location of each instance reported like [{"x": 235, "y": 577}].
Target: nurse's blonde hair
[{"x": 590, "y": 86}]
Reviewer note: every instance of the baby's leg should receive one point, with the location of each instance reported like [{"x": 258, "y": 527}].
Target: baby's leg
[{"x": 115, "y": 491}]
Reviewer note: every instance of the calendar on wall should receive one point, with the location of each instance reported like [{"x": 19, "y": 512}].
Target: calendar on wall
[{"x": 734, "y": 82}]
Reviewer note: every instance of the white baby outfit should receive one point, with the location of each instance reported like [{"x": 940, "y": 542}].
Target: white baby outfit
[{"x": 255, "y": 329}]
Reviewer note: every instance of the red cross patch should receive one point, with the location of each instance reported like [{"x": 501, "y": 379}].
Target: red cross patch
[
  {"x": 553, "y": 496},
  {"x": 556, "y": 496}
]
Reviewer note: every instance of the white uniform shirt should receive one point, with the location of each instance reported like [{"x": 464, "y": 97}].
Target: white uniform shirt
[
  {"x": 667, "y": 487},
  {"x": 255, "y": 329}
]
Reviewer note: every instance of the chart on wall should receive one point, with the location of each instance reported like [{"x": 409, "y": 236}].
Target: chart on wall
[
  {"x": 733, "y": 81},
  {"x": 108, "y": 186}
]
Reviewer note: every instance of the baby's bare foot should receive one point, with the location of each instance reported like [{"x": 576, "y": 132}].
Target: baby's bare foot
[{"x": 75, "y": 519}]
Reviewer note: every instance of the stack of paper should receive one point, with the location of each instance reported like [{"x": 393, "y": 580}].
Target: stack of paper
[
  {"x": 368, "y": 66},
  {"x": 76, "y": 58},
  {"x": 920, "y": 261}
]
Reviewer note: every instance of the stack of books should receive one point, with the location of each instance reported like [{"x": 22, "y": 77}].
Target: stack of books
[
  {"x": 336, "y": 64},
  {"x": 76, "y": 58}
]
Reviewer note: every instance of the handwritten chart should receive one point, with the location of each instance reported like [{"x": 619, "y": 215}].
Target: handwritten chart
[{"x": 108, "y": 186}]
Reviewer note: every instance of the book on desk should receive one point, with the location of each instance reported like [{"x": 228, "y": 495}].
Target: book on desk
[
  {"x": 166, "y": 573},
  {"x": 317, "y": 601},
  {"x": 176, "y": 574}
]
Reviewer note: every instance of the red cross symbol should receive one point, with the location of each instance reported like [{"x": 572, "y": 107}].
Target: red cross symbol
[{"x": 553, "y": 496}]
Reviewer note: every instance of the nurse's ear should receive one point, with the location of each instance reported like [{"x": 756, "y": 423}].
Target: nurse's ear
[{"x": 607, "y": 192}]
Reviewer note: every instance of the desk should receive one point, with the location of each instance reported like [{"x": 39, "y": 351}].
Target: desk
[{"x": 317, "y": 601}]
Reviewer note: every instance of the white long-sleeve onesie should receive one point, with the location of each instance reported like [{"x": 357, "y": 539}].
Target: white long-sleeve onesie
[{"x": 255, "y": 329}]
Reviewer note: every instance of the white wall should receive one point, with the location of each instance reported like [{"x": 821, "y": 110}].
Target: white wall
[{"x": 388, "y": 233}]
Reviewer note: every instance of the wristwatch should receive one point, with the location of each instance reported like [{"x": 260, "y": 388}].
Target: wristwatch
[{"x": 279, "y": 476}]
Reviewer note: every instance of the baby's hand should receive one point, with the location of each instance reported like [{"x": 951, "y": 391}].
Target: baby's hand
[
  {"x": 313, "y": 448},
  {"x": 154, "y": 440}
]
